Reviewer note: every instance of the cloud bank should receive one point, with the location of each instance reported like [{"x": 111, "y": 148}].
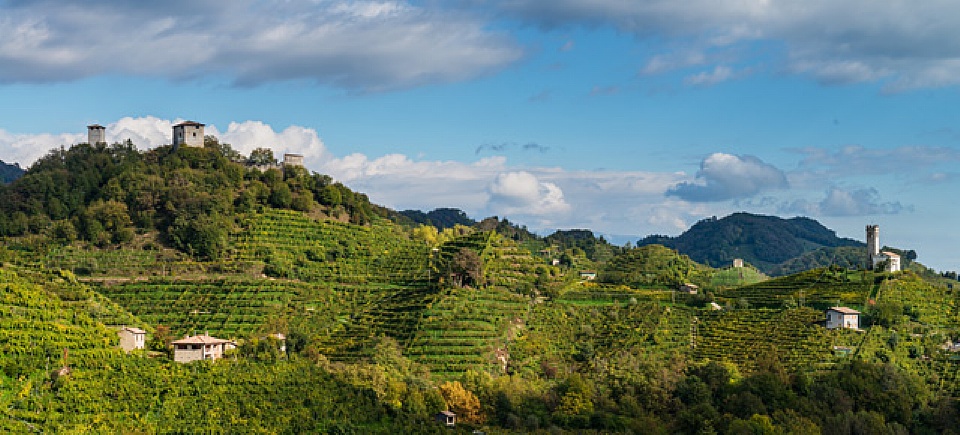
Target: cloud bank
[
  {"x": 361, "y": 46},
  {"x": 896, "y": 43}
]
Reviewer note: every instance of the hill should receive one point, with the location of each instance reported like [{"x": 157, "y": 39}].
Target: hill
[
  {"x": 763, "y": 241},
  {"x": 9, "y": 172}
]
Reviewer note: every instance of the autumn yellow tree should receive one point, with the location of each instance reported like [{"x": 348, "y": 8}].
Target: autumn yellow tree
[{"x": 462, "y": 402}]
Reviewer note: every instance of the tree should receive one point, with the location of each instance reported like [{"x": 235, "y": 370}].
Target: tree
[
  {"x": 465, "y": 268},
  {"x": 262, "y": 156},
  {"x": 462, "y": 402}
]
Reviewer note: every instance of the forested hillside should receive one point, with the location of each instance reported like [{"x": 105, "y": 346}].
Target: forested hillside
[
  {"x": 763, "y": 241},
  {"x": 386, "y": 322}
]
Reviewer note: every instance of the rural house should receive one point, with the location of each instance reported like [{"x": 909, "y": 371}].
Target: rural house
[
  {"x": 132, "y": 338},
  {"x": 447, "y": 418},
  {"x": 689, "y": 288},
  {"x": 200, "y": 347},
  {"x": 588, "y": 275},
  {"x": 843, "y": 317}
]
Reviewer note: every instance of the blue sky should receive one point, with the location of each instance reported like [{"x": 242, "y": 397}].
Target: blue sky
[{"x": 627, "y": 117}]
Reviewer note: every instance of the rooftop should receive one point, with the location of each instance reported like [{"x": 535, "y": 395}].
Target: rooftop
[
  {"x": 844, "y": 310},
  {"x": 189, "y": 124},
  {"x": 134, "y": 330},
  {"x": 201, "y": 339}
]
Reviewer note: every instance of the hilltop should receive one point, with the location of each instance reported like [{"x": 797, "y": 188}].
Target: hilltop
[{"x": 763, "y": 241}]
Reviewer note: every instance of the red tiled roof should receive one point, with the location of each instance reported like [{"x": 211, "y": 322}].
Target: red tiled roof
[{"x": 201, "y": 339}]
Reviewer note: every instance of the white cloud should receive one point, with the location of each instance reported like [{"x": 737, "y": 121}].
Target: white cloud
[
  {"x": 719, "y": 74},
  {"x": 725, "y": 176},
  {"x": 249, "y": 135},
  {"x": 364, "y": 46},
  {"x": 522, "y": 193},
  {"x": 843, "y": 202}
]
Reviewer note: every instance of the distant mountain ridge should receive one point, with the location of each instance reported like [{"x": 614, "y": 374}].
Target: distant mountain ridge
[
  {"x": 441, "y": 218},
  {"x": 763, "y": 241},
  {"x": 10, "y": 172}
]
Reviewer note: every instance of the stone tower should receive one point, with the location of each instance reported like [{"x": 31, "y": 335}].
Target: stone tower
[
  {"x": 96, "y": 133},
  {"x": 873, "y": 245},
  {"x": 189, "y": 133}
]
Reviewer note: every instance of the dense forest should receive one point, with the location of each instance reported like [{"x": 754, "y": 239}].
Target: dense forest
[
  {"x": 764, "y": 241},
  {"x": 352, "y": 318}
]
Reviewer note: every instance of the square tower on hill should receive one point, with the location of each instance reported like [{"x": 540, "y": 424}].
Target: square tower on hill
[
  {"x": 189, "y": 133},
  {"x": 96, "y": 133}
]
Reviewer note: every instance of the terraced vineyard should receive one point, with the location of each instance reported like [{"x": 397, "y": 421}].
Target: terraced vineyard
[
  {"x": 818, "y": 287},
  {"x": 927, "y": 304},
  {"x": 293, "y": 245},
  {"x": 390, "y": 311},
  {"x": 740, "y": 336},
  {"x": 464, "y": 329},
  {"x": 225, "y": 307},
  {"x": 558, "y": 329}
]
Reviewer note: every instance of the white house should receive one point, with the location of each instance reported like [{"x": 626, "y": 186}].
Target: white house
[
  {"x": 132, "y": 338},
  {"x": 842, "y": 317},
  {"x": 200, "y": 347},
  {"x": 588, "y": 275}
]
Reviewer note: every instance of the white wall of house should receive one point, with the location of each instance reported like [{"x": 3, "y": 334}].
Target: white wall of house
[{"x": 836, "y": 319}]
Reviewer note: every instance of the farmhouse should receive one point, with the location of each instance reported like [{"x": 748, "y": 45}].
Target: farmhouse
[
  {"x": 588, "y": 275},
  {"x": 842, "y": 317},
  {"x": 132, "y": 338},
  {"x": 689, "y": 288},
  {"x": 200, "y": 347}
]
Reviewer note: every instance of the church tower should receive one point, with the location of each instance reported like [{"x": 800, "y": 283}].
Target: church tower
[{"x": 873, "y": 245}]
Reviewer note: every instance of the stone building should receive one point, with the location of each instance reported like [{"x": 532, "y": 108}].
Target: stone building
[
  {"x": 200, "y": 347},
  {"x": 189, "y": 133},
  {"x": 132, "y": 338},
  {"x": 290, "y": 160},
  {"x": 96, "y": 133}
]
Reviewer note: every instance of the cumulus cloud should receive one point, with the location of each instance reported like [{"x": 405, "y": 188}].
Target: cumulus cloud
[
  {"x": 842, "y": 202},
  {"x": 893, "y": 42},
  {"x": 524, "y": 194},
  {"x": 363, "y": 46},
  {"x": 725, "y": 176},
  {"x": 247, "y": 136}
]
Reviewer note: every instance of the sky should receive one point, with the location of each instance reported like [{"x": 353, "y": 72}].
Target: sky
[{"x": 627, "y": 117}]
